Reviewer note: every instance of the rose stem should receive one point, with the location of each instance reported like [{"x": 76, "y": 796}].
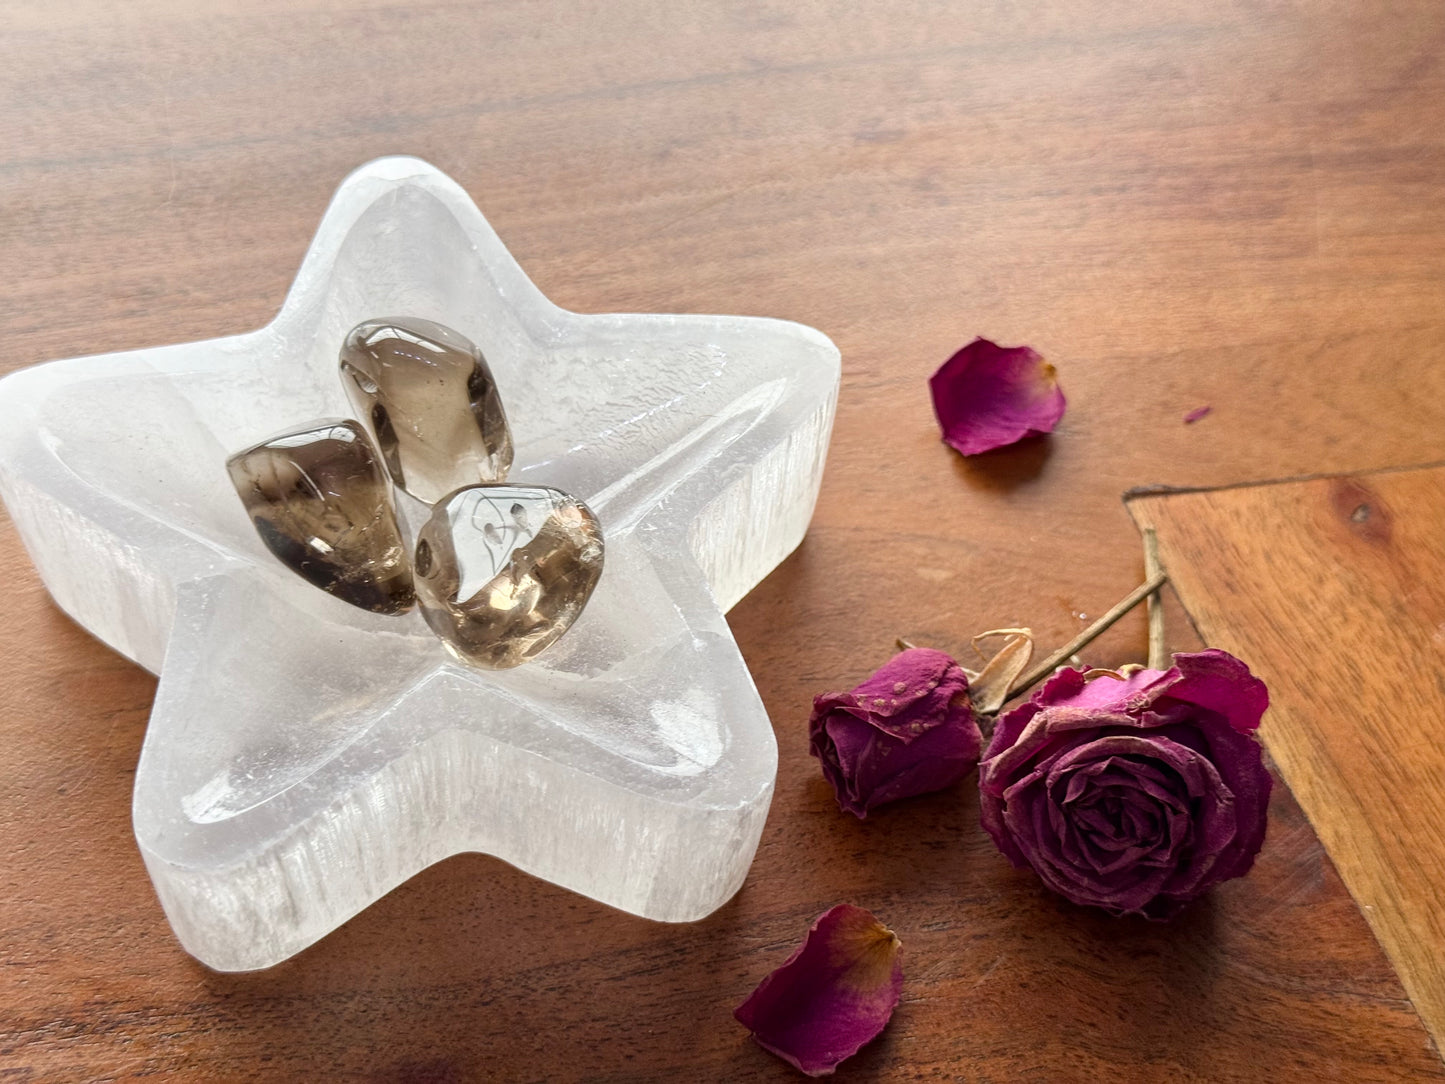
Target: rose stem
[
  {"x": 1158, "y": 658},
  {"x": 1059, "y": 657}
]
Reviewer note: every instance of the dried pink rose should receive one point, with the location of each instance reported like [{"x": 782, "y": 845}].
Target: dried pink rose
[
  {"x": 835, "y": 993},
  {"x": 909, "y": 729},
  {"x": 987, "y": 396},
  {"x": 1137, "y": 794}
]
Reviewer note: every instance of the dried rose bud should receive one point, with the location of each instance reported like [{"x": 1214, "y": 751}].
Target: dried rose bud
[
  {"x": 1136, "y": 794},
  {"x": 987, "y": 396},
  {"x": 909, "y": 729},
  {"x": 835, "y": 993}
]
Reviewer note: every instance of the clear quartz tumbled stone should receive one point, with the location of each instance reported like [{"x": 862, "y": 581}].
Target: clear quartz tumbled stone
[
  {"x": 322, "y": 504},
  {"x": 430, "y": 399},
  {"x": 503, "y": 571}
]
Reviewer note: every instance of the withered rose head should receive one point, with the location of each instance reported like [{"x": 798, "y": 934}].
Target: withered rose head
[
  {"x": 909, "y": 729},
  {"x": 987, "y": 396},
  {"x": 1133, "y": 795}
]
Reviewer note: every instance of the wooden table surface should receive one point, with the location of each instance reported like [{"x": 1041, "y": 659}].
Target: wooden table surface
[
  {"x": 1332, "y": 587},
  {"x": 1180, "y": 204}
]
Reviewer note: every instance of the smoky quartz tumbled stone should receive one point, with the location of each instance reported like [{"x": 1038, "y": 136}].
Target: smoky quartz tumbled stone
[
  {"x": 320, "y": 501},
  {"x": 503, "y": 571},
  {"x": 430, "y": 399}
]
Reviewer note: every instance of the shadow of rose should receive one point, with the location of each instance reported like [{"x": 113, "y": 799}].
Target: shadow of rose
[{"x": 1006, "y": 469}]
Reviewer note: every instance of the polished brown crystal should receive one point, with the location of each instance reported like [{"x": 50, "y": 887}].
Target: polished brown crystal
[
  {"x": 430, "y": 399},
  {"x": 322, "y": 504},
  {"x": 503, "y": 571}
]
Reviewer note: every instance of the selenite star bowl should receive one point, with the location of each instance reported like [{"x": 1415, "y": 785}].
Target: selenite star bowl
[{"x": 303, "y": 756}]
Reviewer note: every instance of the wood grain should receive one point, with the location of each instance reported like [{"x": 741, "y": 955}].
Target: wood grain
[
  {"x": 1333, "y": 589},
  {"x": 1232, "y": 204}
]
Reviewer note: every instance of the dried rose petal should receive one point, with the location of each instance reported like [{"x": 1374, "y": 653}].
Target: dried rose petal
[
  {"x": 988, "y": 395},
  {"x": 909, "y": 729},
  {"x": 834, "y": 994}
]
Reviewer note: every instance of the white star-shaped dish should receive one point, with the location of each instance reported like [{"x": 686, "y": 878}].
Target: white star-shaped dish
[{"x": 304, "y": 757}]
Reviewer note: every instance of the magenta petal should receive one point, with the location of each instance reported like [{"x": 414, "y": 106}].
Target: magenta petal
[
  {"x": 1216, "y": 679},
  {"x": 988, "y": 395},
  {"x": 835, "y": 993},
  {"x": 903, "y": 696}
]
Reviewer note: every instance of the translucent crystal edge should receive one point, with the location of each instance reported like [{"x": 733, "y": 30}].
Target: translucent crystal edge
[{"x": 321, "y": 874}]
